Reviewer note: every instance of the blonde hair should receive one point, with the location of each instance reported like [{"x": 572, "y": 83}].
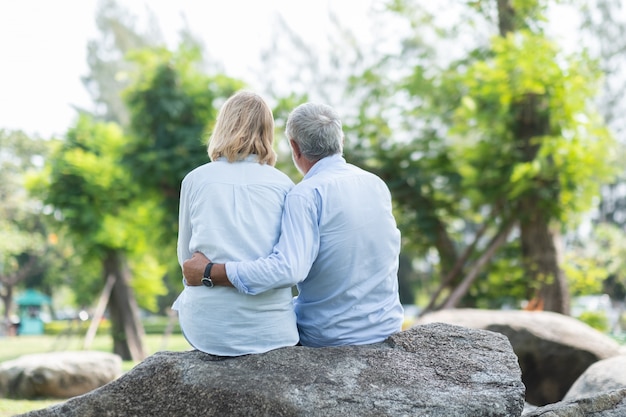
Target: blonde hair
[{"x": 244, "y": 126}]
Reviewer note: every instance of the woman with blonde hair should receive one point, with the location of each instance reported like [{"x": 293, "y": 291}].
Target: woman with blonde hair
[{"x": 231, "y": 208}]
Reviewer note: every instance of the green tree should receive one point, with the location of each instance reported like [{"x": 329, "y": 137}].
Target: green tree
[
  {"x": 532, "y": 102},
  {"x": 603, "y": 34},
  {"x": 597, "y": 263},
  {"x": 173, "y": 105},
  {"x": 23, "y": 237},
  {"x": 499, "y": 133},
  {"x": 93, "y": 197}
]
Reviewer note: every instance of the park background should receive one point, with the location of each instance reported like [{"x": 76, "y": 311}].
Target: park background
[{"x": 497, "y": 125}]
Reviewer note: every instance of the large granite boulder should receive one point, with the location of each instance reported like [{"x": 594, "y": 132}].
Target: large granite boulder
[
  {"x": 58, "y": 374},
  {"x": 602, "y": 376},
  {"x": 606, "y": 404},
  {"x": 553, "y": 349},
  {"x": 436, "y": 370}
]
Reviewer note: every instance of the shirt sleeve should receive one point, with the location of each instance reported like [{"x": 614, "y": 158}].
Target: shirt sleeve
[
  {"x": 292, "y": 257},
  {"x": 184, "y": 225}
]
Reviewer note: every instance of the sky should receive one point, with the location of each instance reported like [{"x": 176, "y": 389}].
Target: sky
[{"x": 43, "y": 45}]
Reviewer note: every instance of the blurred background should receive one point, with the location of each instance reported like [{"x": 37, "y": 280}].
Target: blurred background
[{"x": 498, "y": 126}]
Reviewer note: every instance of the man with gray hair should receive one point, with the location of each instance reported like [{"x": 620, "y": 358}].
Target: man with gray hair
[{"x": 339, "y": 243}]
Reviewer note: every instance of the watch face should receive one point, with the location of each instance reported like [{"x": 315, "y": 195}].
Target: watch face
[{"x": 207, "y": 282}]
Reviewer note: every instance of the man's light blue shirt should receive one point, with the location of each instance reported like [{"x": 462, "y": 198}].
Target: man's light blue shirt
[{"x": 340, "y": 244}]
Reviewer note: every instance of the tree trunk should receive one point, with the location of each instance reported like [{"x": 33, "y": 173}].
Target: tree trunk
[
  {"x": 506, "y": 17},
  {"x": 446, "y": 249},
  {"x": 531, "y": 121},
  {"x": 542, "y": 256},
  {"x": 7, "y": 299},
  {"x": 126, "y": 327}
]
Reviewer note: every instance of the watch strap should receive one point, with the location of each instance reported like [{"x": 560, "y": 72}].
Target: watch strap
[{"x": 206, "y": 278}]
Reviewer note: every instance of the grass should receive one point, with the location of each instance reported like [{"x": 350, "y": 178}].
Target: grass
[
  {"x": 14, "y": 347},
  {"x": 10, "y": 408}
]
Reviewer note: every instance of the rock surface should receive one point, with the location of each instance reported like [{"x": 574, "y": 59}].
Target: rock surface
[
  {"x": 608, "y": 404},
  {"x": 553, "y": 349},
  {"x": 433, "y": 370},
  {"x": 58, "y": 374},
  {"x": 605, "y": 375}
]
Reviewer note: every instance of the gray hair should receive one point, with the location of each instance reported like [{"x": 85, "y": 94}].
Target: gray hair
[{"x": 316, "y": 128}]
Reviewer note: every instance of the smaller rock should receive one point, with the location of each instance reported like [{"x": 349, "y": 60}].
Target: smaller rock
[
  {"x": 58, "y": 374},
  {"x": 607, "y": 404},
  {"x": 553, "y": 349},
  {"x": 602, "y": 376}
]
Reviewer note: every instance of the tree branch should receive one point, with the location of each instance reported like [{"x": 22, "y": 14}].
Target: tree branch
[
  {"x": 456, "y": 269},
  {"x": 498, "y": 240}
]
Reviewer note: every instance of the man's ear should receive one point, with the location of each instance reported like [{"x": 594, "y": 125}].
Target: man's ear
[{"x": 295, "y": 148}]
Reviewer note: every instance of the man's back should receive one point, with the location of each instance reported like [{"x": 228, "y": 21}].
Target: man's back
[{"x": 350, "y": 295}]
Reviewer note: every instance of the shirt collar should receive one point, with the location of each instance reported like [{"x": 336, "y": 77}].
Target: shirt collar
[
  {"x": 323, "y": 163},
  {"x": 249, "y": 158}
]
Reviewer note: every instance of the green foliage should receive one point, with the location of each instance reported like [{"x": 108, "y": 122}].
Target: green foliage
[
  {"x": 87, "y": 184},
  {"x": 15, "y": 242},
  {"x": 572, "y": 160},
  {"x": 455, "y": 136},
  {"x": 70, "y": 328},
  {"x": 159, "y": 324},
  {"x": 596, "y": 319},
  {"x": 95, "y": 199},
  {"x": 505, "y": 283},
  {"x": 584, "y": 275},
  {"x": 173, "y": 106},
  {"x": 154, "y": 325},
  {"x": 20, "y": 232},
  {"x": 27, "y": 253},
  {"x": 281, "y": 144},
  {"x": 595, "y": 259}
]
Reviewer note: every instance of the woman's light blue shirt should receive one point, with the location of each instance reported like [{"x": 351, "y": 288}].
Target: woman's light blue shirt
[{"x": 232, "y": 211}]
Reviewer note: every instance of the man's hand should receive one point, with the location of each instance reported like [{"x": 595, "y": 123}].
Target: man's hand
[{"x": 193, "y": 268}]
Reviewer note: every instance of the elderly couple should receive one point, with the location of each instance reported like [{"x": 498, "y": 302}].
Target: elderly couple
[{"x": 247, "y": 235}]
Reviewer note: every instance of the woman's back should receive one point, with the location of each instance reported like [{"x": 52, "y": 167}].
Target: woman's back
[{"x": 232, "y": 211}]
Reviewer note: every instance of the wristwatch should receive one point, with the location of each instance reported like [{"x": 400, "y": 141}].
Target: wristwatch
[{"x": 206, "y": 278}]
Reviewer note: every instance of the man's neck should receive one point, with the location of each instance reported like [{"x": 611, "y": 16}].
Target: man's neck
[{"x": 306, "y": 165}]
